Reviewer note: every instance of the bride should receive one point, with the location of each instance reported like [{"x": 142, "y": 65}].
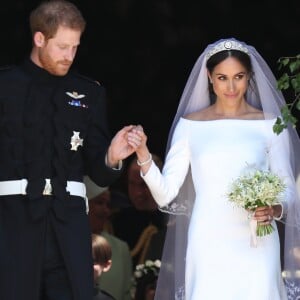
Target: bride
[{"x": 222, "y": 129}]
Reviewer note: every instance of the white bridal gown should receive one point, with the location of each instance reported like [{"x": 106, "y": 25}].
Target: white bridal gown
[{"x": 220, "y": 262}]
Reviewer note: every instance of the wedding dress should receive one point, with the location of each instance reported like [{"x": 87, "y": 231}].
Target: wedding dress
[{"x": 219, "y": 262}]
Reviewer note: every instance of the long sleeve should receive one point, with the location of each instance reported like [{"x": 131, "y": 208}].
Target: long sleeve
[
  {"x": 97, "y": 142},
  {"x": 279, "y": 164},
  {"x": 165, "y": 186}
]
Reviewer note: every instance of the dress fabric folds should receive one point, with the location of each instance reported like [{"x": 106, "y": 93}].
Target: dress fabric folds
[{"x": 219, "y": 262}]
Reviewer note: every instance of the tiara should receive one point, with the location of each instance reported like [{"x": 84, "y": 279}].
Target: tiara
[{"x": 226, "y": 45}]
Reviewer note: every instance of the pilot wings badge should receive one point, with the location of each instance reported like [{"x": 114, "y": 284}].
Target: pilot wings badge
[
  {"x": 76, "y": 141},
  {"x": 75, "y": 99}
]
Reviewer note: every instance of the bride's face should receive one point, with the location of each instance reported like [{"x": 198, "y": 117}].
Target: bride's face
[{"x": 230, "y": 81}]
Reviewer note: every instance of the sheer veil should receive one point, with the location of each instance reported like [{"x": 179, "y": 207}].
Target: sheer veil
[{"x": 262, "y": 93}]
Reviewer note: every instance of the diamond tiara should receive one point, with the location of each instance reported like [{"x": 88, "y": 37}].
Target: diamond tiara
[{"x": 227, "y": 45}]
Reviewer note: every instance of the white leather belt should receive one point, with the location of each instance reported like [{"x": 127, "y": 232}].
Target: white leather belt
[{"x": 18, "y": 187}]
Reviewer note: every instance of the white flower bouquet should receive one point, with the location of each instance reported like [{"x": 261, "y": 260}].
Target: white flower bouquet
[
  {"x": 260, "y": 188},
  {"x": 148, "y": 267},
  {"x": 141, "y": 270}
]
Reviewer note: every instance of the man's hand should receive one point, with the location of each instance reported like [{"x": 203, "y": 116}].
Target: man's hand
[{"x": 119, "y": 148}]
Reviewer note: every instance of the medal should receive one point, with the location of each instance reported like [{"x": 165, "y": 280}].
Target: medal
[{"x": 76, "y": 141}]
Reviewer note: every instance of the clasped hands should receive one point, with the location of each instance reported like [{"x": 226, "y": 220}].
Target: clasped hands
[
  {"x": 128, "y": 140},
  {"x": 137, "y": 139}
]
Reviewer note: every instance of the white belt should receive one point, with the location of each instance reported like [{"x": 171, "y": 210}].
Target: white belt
[{"x": 18, "y": 187}]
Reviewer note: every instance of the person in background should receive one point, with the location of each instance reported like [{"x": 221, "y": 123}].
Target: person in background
[
  {"x": 102, "y": 254},
  {"x": 53, "y": 131},
  {"x": 117, "y": 281},
  {"x": 224, "y": 129},
  {"x": 141, "y": 224}
]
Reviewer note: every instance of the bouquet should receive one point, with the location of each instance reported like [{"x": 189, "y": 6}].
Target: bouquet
[
  {"x": 149, "y": 269},
  {"x": 261, "y": 188}
]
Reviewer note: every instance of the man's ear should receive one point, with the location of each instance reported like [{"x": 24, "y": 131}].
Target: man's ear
[
  {"x": 39, "y": 39},
  {"x": 107, "y": 266}
]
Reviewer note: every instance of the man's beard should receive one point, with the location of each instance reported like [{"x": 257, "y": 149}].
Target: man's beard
[{"x": 58, "y": 68}]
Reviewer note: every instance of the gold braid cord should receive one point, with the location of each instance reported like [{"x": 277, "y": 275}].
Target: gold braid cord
[{"x": 143, "y": 243}]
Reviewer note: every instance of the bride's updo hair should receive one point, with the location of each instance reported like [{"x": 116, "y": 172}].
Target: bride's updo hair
[{"x": 217, "y": 58}]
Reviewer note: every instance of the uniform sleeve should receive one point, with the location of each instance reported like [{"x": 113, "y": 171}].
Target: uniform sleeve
[
  {"x": 97, "y": 142},
  {"x": 164, "y": 186}
]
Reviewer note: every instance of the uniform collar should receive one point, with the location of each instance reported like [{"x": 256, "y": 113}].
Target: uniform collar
[{"x": 39, "y": 73}]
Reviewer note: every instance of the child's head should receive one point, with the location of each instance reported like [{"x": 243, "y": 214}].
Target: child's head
[{"x": 102, "y": 253}]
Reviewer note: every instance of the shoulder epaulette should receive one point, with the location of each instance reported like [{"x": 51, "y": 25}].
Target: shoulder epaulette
[{"x": 87, "y": 78}]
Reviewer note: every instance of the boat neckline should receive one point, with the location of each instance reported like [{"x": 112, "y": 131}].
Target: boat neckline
[{"x": 229, "y": 119}]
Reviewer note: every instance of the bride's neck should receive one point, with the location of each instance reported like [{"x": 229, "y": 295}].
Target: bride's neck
[{"x": 230, "y": 111}]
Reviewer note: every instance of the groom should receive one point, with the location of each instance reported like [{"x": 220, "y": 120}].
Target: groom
[{"x": 53, "y": 131}]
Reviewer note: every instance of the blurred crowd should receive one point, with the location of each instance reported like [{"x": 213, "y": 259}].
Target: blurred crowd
[{"x": 133, "y": 228}]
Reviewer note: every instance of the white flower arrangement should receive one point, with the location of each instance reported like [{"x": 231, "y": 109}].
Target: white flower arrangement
[
  {"x": 260, "y": 188},
  {"x": 141, "y": 270}
]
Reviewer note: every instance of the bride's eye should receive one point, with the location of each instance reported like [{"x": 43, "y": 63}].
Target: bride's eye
[{"x": 240, "y": 76}]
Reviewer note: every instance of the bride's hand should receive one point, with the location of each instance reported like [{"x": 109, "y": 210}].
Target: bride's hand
[
  {"x": 264, "y": 214},
  {"x": 137, "y": 139}
]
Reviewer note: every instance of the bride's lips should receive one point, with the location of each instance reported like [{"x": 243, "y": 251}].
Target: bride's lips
[{"x": 231, "y": 95}]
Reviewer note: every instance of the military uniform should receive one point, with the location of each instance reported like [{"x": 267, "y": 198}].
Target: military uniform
[{"x": 53, "y": 130}]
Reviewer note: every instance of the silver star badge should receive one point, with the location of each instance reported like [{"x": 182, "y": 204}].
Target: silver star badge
[{"x": 76, "y": 141}]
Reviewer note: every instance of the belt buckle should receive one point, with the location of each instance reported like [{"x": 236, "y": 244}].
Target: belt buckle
[{"x": 48, "y": 188}]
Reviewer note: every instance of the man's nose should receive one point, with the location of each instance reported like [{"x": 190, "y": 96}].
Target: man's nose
[{"x": 69, "y": 55}]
